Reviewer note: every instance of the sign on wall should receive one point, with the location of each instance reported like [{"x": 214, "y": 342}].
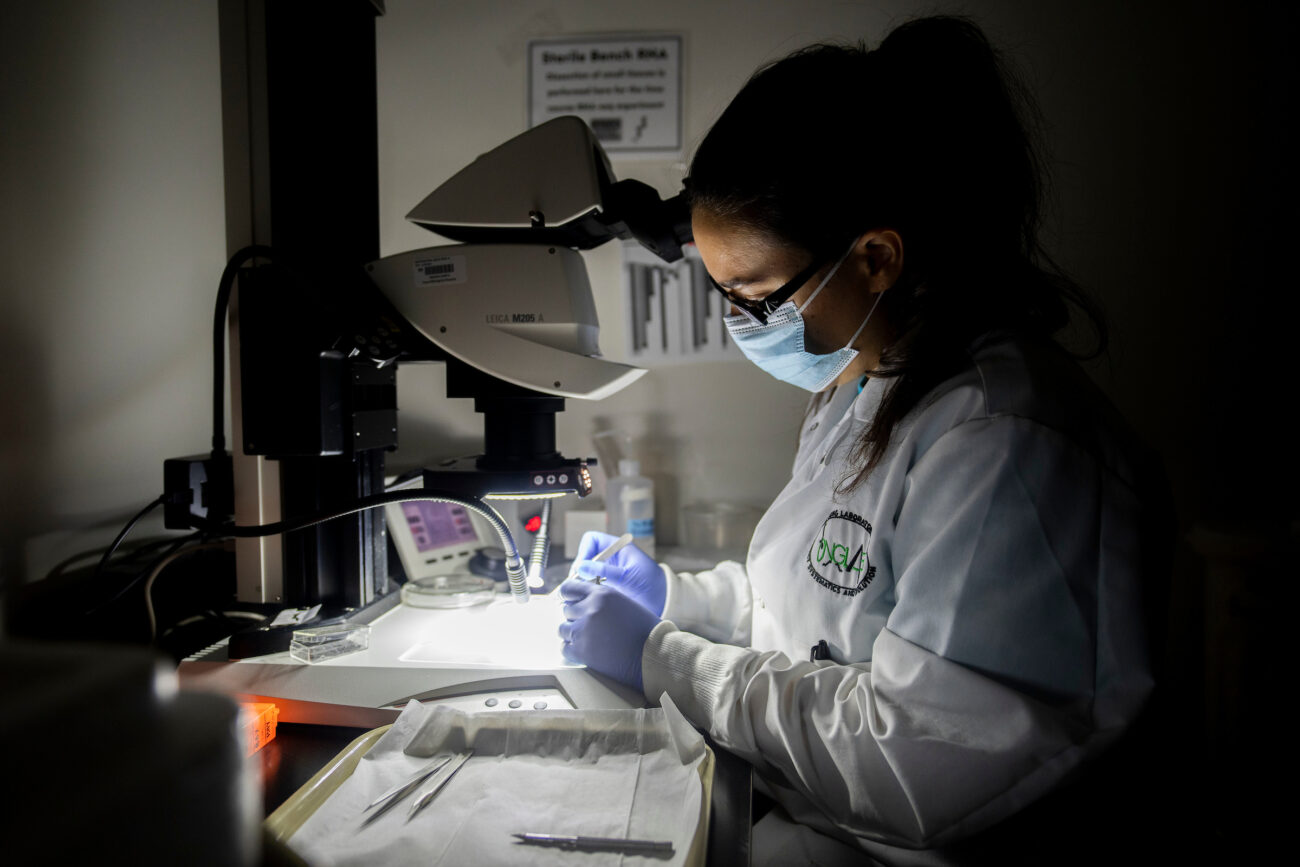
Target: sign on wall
[{"x": 629, "y": 90}]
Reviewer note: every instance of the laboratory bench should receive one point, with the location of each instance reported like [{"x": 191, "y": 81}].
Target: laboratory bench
[{"x": 501, "y": 656}]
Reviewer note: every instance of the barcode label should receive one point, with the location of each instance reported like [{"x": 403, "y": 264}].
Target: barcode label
[{"x": 443, "y": 269}]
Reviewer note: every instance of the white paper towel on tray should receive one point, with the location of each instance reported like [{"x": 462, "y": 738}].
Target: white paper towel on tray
[{"x": 604, "y": 773}]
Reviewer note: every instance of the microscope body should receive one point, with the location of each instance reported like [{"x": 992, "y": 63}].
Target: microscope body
[{"x": 510, "y": 313}]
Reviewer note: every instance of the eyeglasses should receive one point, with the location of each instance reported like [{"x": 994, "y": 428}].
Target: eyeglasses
[{"x": 758, "y": 311}]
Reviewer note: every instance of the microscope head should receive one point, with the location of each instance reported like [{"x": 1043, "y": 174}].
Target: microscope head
[
  {"x": 518, "y": 312},
  {"x": 553, "y": 185}
]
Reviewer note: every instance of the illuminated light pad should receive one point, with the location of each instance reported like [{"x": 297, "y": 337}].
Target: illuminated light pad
[{"x": 502, "y": 634}]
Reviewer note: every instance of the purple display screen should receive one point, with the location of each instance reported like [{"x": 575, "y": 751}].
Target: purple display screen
[{"x": 437, "y": 525}]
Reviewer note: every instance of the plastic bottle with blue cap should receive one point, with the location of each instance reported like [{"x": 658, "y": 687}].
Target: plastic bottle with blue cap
[{"x": 630, "y": 501}]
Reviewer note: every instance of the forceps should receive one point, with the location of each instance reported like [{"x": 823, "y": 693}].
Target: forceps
[
  {"x": 389, "y": 799},
  {"x": 617, "y": 545},
  {"x": 427, "y": 795}
]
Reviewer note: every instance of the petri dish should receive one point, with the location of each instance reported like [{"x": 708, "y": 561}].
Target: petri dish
[{"x": 457, "y": 590}]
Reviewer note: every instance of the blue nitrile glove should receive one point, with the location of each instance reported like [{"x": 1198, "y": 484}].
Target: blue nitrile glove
[
  {"x": 631, "y": 570},
  {"x": 605, "y": 630}
]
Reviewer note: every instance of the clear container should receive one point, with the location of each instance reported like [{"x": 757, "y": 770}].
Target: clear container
[
  {"x": 630, "y": 505},
  {"x": 318, "y": 643},
  {"x": 719, "y": 529},
  {"x": 457, "y": 590}
]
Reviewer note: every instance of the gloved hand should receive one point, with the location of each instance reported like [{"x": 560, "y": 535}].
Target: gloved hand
[
  {"x": 631, "y": 570},
  {"x": 605, "y": 630}
]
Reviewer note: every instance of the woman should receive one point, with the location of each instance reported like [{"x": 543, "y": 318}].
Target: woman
[{"x": 940, "y": 619}]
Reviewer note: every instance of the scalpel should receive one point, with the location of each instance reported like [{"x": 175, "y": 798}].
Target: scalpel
[{"x": 607, "y": 844}]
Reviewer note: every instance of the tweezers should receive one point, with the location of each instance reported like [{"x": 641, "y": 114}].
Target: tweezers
[
  {"x": 427, "y": 795},
  {"x": 385, "y": 802}
]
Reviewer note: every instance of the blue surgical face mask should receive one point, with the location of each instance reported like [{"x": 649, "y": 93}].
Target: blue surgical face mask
[{"x": 778, "y": 345}]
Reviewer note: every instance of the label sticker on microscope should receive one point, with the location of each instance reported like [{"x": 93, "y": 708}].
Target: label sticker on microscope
[
  {"x": 440, "y": 269},
  {"x": 295, "y": 616}
]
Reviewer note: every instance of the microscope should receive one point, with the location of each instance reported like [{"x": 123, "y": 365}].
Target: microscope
[{"x": 508, "y": 310}]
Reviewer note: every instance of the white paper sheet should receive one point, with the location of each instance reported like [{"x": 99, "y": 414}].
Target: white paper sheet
[{"x": 625, "y": 773}]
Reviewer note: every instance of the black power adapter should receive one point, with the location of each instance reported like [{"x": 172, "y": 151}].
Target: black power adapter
[{"x": 198, "y": 487}]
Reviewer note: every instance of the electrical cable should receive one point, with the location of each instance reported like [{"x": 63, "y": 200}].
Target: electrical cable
[
  {"x": 99, "y": 570},
  {"x": 515, "y": 568},
  {"x": 68, "y": 562},
  {"x": 373, "y": 501},
  {"x": 158, "y": 570},
  {"x": 176, "y": 544},
  {"x": 213, "y": 615},
  {"x": 172, "y": 542},
  {"x": 134, "y": 554},
  {"x": 224, "y": 289}
]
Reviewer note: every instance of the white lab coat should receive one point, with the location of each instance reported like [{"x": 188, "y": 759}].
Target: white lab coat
[{"x": 980, "y": 597}]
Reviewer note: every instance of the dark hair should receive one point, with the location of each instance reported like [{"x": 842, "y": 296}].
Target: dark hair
[{"x": 930, "y": 134}]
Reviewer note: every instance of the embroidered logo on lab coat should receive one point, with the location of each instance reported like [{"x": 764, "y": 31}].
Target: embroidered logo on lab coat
[{"x": 837, "y": 558}]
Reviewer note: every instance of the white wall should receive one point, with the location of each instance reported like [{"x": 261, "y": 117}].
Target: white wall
[
  {"x": 113, "y": 239},
  {"x": 113, "y": 232}
]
